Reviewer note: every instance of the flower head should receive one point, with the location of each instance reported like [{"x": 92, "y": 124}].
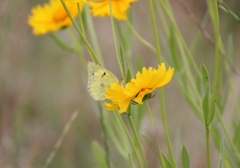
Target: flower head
[
  {"x": 145, "y": 83},
  {"x": 102, "y": 8},
  {"x": 51, "y": 17}
]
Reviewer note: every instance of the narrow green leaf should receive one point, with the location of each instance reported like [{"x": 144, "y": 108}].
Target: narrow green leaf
[
  {"x": 185, "y": 158},
  {"x": 173, "y": 51},
  {"x": 128, "y": 76},
  {"x": 205, "y": 106},
  {"x": 211, "y": 114},
  {"x": 99, "y": 155},
  {"x": 139, "y": 116},
  {"x": 123, "y": 63},
  {"x": 236, "y": 138},
  {"x": 167, "y": 162},
  {"x": 205, "y": 76},
  {"x": 139, "y": 63},
  {"x": 205, "y": 102}
]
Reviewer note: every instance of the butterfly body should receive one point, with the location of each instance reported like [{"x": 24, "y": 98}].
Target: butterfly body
[{"x": 99, "y": 78}]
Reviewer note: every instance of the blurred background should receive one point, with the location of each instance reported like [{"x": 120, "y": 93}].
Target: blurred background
[{"x": 41, "y": 85}]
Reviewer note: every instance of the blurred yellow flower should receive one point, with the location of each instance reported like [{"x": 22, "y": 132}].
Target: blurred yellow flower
[
  {"x": 145, "y": 83},
  {"x": 102, "y": 8},
  {"x": 51, "y": 17},
  {"x": 75, "y": 1}
]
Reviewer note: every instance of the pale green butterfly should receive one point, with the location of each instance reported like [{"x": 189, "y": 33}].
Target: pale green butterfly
[{"x": 99, "y": 78}]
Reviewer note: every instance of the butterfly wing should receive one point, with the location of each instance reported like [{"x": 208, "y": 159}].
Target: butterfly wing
[{"x": 99, "y": 78}]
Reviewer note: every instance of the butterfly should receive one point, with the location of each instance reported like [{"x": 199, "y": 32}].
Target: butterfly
[{"x": 99, "y": 78}]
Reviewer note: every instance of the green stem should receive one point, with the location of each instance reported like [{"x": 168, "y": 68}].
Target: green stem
[
  {"x": 166, "y": 132},
  {"x": 130, "y": 139},
  {"x": 142, "y": 40},
  {"x": 191, "y": 85},
  {"x": 78, "y": 49},
  {"x": 137, "y": 139},
  {"x": 208, "y": 147},
  {"x": 93, "y": 35},
  {"x": 226, "y": 132},
  {"x": 105, "y": 137},
  {"x": 226, "y": 9},
  {"x": 162, "y": 103},
  {"x": 154, "y": 26},
  {"x": 60, "y": 139},
  {"x": 115, "y": 41},
  {"x": 149, "y": 112},
  {"x": 213, "y": 11},
  {"x": 91, "y": 51},
  {"x": 80, "y": 18},
  {"x": 60, "y": 43}
]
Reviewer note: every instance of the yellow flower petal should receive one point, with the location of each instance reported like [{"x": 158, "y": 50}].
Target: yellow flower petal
[
  {"x": 116, "y": 94},
  {"x": 119, "y": 8},
  {"x": 166, "y": 75},
  {"x": 111, "y": 107},
  {"x": 141, "y": 95}
]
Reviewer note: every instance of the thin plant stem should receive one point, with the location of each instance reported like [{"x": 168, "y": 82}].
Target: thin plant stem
[
  {"x": 212, "y": 5},
  {"x": 115, "y": 41},
  {"x": 208, "y": 147},
  {"x": 137, "y": 139},
  {"x": 80, "y": 18},
  {"x": 166, "y": 132},
  {"x": 142, "y": 40},
  {"x": 226, "y": 9},
  {"x": 159, "y": 148},
  {"x": 93, "y": 35},
  {"x": 78, "y": 49},
  {"x": 60, "y": 43},
  {"x": 149, "y": 112},
  {"x": 155, "y": 32},
  {"x": 60, "y": 139},
  {"x": 130, "y": 160},
  {"x": 90, "y": 49},
  {"x": 162, "y": 103},
  {"x": 130, "y": 139},
  {"x": 226, "y": 132},
  {"x": 105, "y": 136}
]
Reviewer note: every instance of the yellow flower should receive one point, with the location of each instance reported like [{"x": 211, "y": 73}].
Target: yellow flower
[
  {"x": 102, "y": 8},
  {"x": 75, "y": 1},
  {"x": 146, "y": 82},
  {"x": 51, "y": 17}
]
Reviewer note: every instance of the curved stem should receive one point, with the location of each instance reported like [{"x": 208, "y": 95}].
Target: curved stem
[
  {"x": 137, "y": 139},
  {"x": 166, "y": 132},
  {"x": 78, "y": 49},
  {"x": 142, "y": 40},
  {"x": 91, "y": 51},
  {"x": 130, "y": 139},
  {"x": 115, "y": 41},
  {"x": 93, "y": 35},
  {"x": 162, "y": 103},
  {"x": 226, "y": 132},
  {"x": 60, "y": 139},
  {"x": 60, "y": 43},
  {"x": 105, "y": 137},
  {"x": 149, "y": 112}
]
